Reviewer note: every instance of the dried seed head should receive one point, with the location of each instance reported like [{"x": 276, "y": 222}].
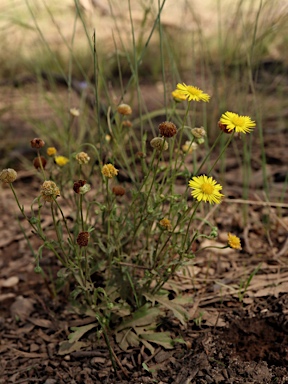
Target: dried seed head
[
  {"x": 8, "y": 175},
  {"x": 165, "y": 223},
  {"x": 82, "y": 158},
  {"x": 77, "y": 185},
  {"x": 109, "y": 171},
  {"x": 38, "y": 161},
  {"x": 118, "y": 190},
  {"x": 198, "y": 133},
  {"x": 189, "y": 147},
  {"x": 159, "y": 144},
  {"x": 167, "y": 129},
  {"x": 124, "y": 109},
  {"x": 141, "y": 155},
  {"x": 82, "y": 239},
  {"x": 37, "y": 143},
  {"x": 49, "y": 191},
  {"x": 223, "y": 127},
  {"x": 51, "y": 151},
  {"x": 127, "y": 123}
]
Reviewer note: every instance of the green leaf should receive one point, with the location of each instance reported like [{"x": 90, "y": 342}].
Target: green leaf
[
  {"x": 78, "y": 332},
  {"x": 143, "y": 316},
  {"x": 161, "y": 338},
  {"x": 66, "y": 347},
  {"x": 178, "y": 311}
]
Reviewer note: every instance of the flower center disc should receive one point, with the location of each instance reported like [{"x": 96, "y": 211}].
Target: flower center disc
[{"x": 207, "y": 188}]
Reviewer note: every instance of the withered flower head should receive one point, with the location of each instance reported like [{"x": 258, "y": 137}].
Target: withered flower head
[
  {"x": 82, "y": 158},
  {"x": 159, "y": 144},
  {"x": 77, "y": 185},
  {"x": 198, "y": 133},
  {"x": 140, "y": 155},
  {"x": 127, "y": 123},
  {"x": 165, "y": 223},
  {"x": 223, "y": 127},
  {"x": 109, "y": 171},
  {"x": 82, "y": 239},
  {"x": 49, "y": 191},
  {"x": 8, "y": 175},
  {"x": 118, "y": 190},
  {"x": 37, "y": 143},
  {"x": 124, "y": 109},
  {"x": 167, "y": 129},
  {"x": 38, "y": 161}
]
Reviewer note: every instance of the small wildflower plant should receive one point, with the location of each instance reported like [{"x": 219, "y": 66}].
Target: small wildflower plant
[{"x": 129, "y": 229}]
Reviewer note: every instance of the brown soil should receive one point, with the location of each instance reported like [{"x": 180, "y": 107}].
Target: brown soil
[{"x": 227, "y": 341}]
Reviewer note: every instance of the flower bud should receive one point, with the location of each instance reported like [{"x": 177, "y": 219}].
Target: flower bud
[
  {"x": 124, "y": 109},
  {"x": 118, "y": 190},
  {"x": 51, "y": 151}
]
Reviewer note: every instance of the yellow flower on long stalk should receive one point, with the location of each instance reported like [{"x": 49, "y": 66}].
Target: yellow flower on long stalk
[
  {"x": 233, "y": 121},
  {"x": 234, "y": 241},
  {"x": 178, "y": 95},
  {"x": 109, "y": 171},
  {"x": 61, "y": 160},
  {"x": 192, "y": 93},
  {"x": 205, "y": 188}
]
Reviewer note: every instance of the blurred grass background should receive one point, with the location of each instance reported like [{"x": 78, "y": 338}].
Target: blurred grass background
[{"x": 234, "y": 50}]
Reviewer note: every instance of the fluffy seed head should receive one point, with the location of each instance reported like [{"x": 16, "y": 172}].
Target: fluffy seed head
[
  {"x": 109, "y": 171},
  {"x": 198, "y": 133},
  {"x": 82, "y": 158},
  {"x": 8, "y": 175},
  {"x": 49, "y": 191}
]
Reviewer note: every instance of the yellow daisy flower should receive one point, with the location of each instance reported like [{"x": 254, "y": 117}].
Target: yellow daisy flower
[
  {"x": 234, "y": 241},
  {"x": 192, "y": 93},
  {"x": 205, "y": 188},
  {"x": 178, "y": 95},
  {"x": 232, "y": 120},
  {"x": 61, "y": 160}
]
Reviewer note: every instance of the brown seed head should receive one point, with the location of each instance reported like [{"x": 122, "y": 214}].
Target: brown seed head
[
  {"x": 82, "y": 239},
  {"x": 38, "y": 161},
  {"x": 77, "y": 185},
  {"x": 167, "y": 129},
  {"x": 37, "y": 143},
  {"x": 118, "y": 190}
]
